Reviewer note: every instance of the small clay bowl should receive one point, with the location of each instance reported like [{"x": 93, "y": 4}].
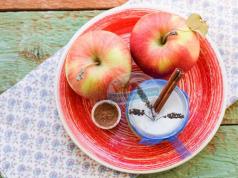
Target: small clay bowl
[{"x": 106, "y": 114}]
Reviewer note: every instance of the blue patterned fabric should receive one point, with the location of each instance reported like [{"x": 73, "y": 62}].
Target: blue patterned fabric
[{"x": 33, "y": 142}]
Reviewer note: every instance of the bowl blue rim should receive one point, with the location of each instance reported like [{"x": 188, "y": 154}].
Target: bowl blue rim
[{"x": 166, "y": 136}]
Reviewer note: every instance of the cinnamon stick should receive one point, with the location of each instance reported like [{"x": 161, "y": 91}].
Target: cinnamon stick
[{"x": 167, "y": 90}]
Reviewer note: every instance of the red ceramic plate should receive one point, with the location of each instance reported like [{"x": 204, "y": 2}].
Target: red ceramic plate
[{"x": 118, "y": 148}]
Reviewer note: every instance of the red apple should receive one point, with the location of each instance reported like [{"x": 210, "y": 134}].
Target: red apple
[
  {"x": 94, "y": 60},
  {"x": 161, "y": 42}
]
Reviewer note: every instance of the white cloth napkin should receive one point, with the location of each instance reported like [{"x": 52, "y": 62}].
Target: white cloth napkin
[{"x": 33, "y": 142}]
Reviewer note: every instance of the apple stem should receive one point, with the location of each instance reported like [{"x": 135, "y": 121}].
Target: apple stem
[
  {"x": 82, "y": 70},
  {"x": 164, "y": 38}
]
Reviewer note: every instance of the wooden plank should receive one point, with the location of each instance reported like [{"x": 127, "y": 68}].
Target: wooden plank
[
  {"x": 17, "y": 5},
  {"x": 218, "y": 160},
  {"x": 231, "y": 115},
  {"x": 28, "y": 38}
]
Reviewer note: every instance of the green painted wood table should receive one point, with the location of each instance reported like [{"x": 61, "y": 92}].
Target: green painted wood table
[{"x": 27, "y": 38}]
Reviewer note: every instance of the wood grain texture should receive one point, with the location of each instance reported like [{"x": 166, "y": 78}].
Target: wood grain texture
[
  {"x": 218, "y": 160},
  {"x": 231, "y": 115},
  {"x": 17, "y": 5},
  {"x": 28, "y": 38}
]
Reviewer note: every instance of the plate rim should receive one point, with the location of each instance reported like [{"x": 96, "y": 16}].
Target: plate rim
[{"x": 69, "y": 132}]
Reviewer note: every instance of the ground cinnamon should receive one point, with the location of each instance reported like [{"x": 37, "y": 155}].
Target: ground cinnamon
[{"x": 106, "y": 114}]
